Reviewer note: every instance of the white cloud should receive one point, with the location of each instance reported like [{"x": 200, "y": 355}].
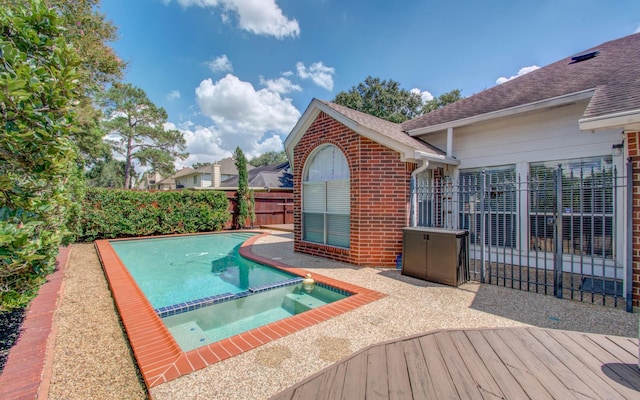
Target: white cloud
[
  {"x": 522, "y": 71},
  {"x": 425, "y": 95},
  {"x": 174, "y": 94},
  {"x": 318, "y": 73},
  {"x": 254, "y": 120},
  {"x": 262, "y": 17},
  {"x": 637, "y": 29},
  {"x": 280, "y": 85},
  {"x": 220, "y": 64}
]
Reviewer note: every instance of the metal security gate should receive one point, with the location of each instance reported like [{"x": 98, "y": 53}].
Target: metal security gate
[{"x": 563, "y": 230}]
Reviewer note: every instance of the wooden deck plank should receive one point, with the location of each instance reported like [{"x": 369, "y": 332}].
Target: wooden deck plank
[
  {"x": 377, "y": 385},
  {"x": 308, "y": 391},
  {"x": 475, "y": 365},
  {"x": 422, "y": 385},
  {"x": 629, "y": 344},
  {"x": 328, "y": 376},
  {"x": 617, "y": 351},
  {"x": 533, "y": 387},
  {"x": 627, "y": 374},
  {"x": 399, "y": 385},
  {"x": 551, "y": 360},
  {"x": 465, "y": 384},
  {"x": 587, "y": 361},
  {"x": 355, "y": 377},
  {"x": 437, "y": 368},
  {"x": 335, "y": 386},
  {"x": 586, "y": 376},
  {"x": 536, "y": 366},
  {"x": 482, "y": 363},
  {"x": 507, "y": 383}
]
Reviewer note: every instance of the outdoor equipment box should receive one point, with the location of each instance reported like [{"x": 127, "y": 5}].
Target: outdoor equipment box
[{"x": 436, "y": 254}]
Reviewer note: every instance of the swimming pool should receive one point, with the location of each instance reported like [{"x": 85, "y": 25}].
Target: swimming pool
[
  {"x": 159, "y": 357},
  {"x": 205, "y": 291}
]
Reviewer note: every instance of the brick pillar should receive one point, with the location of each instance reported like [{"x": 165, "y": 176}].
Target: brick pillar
[{"x": 633, "y": 145}]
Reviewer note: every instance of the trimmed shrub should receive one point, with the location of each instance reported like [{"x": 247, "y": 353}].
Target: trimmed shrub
[{"x": 111, "y": 213}]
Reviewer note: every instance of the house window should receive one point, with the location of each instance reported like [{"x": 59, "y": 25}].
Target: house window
[
  {"x": 588, "y": 196},
  {"x": 500, "y": 204},
  {"x": 326, "y": 197},
  {"x": 195, "y": 179}
]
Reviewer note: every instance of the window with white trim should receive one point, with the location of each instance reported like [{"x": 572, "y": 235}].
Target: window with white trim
[
  {"x": 326, "y": 197},
  {"x": 588, "y": 202}
]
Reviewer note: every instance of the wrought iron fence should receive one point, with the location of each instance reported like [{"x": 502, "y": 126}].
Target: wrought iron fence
[{"x": 561, "y": 230}]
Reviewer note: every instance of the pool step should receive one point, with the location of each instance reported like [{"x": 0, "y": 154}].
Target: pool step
[
  {"x": 297, "y": 303},
  {"x": 189, "y": 335}
]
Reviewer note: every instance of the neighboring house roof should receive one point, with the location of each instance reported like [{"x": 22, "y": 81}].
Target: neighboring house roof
[
  {"x": 380, "y": 131},
  {"x": 267, "y": 176},
  {"x": 183, "y": 172},
  {"x": 610, "y": 81},
  {"x": 227, "y": 167}
]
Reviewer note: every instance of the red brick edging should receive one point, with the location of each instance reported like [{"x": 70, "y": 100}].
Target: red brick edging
[
  {"x": 22, "y": 375},
  {"x": 159, "y": 357}
]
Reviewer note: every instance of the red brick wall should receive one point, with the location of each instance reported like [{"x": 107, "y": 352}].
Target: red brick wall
[
  {"x": 633, "y": 143},
  {"x": 379, "y": 195}
]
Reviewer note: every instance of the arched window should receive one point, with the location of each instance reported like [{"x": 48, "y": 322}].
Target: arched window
[{"x": 325, "y": 197}]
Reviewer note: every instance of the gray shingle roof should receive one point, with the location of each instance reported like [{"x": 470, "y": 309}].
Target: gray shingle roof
[
  {"x": 614, "y": 75},
  {"x": 387, "y": 128},
  {"x": 271, "y": 176}
]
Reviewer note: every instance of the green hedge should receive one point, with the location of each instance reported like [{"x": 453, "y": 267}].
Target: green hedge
[
  {"x": 38, "y": 160},
  {"x": 110, "y": 213}
]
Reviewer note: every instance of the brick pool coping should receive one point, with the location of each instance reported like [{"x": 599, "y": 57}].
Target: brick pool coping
[{"x": 159, "y": 357}]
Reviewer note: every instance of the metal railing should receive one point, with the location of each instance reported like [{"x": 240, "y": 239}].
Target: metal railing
[{"x": 560, "y": 232}]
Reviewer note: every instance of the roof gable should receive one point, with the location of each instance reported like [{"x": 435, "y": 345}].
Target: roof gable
[
  {"x": 380, "y": 131},
  {"x": 611, "y": 79}
]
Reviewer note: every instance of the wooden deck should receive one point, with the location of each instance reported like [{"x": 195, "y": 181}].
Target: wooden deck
[{"x": 508, "y": 363}]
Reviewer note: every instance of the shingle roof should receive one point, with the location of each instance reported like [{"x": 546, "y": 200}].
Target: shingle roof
[
  {"x": 387, "y": 128},
  {"x": 272, "y": 176},
  {"x": 183, "y": 172},
  {"x": 613, "y": 74}
]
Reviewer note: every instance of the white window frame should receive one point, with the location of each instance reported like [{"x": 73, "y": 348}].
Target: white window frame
[{"x": 327, "y": 175}]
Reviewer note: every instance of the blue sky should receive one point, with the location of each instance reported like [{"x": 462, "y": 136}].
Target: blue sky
[{"x": 241, "y": 72}]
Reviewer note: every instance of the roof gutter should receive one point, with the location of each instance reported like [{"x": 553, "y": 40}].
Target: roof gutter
[
  {"x": 414, "y": 200},
  {"x": 507, "y": 112},
  {"x": 626, "y": 119}
]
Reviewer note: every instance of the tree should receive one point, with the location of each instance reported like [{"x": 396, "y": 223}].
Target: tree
[
  {"x": 383, "y": 99},
  {"x": 90, "y": 33},
  {"x": 197, "y": 165},
  {"x": 442, "y": 100},
  {"x": 135, "y": 128},
  {"x": 39, "y": 169},
  {"x": 268, "y": 158},
  {"x": 244, "y": 195},
  {"x": 108, "y": 173}
]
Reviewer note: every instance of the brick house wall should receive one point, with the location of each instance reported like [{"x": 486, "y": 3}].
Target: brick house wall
[
  {"x": 633, "y": 144},
  {"x": 380, "y": 184}
]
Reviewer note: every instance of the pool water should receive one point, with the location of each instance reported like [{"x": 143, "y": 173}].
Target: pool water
[
  {"x": 180, "y": 269},
  {"x": 204, "y": 291},
  {"x": 211, "y": 324}
]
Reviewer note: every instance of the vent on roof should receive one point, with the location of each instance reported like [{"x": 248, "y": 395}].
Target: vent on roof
[{"x": 584, "y": 56}]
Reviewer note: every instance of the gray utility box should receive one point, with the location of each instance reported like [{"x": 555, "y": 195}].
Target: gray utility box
[{"x": 436, "y": 254}]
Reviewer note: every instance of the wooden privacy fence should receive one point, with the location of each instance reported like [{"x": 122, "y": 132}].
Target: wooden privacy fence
[{"x": 271, "y": 208}]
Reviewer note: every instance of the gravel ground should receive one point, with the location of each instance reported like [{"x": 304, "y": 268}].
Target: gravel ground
[{"x": 92, "y": 359}]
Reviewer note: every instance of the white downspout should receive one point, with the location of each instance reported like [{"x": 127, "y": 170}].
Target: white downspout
[
  {"x": 414, "y": 197},
  {"x": 449, "y": 142}
]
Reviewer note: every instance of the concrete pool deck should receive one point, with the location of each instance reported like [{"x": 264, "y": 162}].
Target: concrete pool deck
[{"x": 91, "y": 357}]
